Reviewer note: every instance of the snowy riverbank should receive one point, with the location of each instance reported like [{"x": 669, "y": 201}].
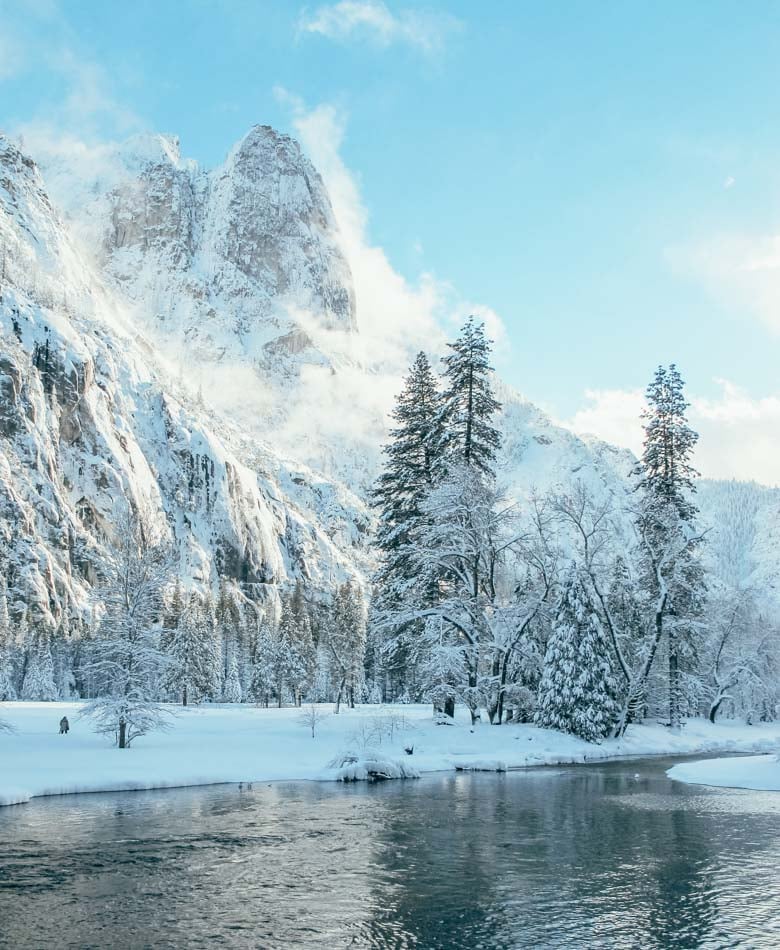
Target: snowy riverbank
[
  {"x": 757, "y": 772},
  {"x": 214, "y": 744}
]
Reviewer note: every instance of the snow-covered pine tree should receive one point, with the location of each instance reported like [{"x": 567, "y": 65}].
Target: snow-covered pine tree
[
  {"x": 665, "y": 471},
  {"x": 174, "y": 609},
  {"x": 228, "y": 619},
  {"x": 303, "y": 637},
  {"x": 408, "y": 472},
  {"x": 232, "y": 692},
  {"x": 468, "y": 403},
  {"x": 666, "y": 482},
  {"x": 126, "y": 659},
  {"x": 62, "y": 653},
  {"x": 578, "y": 689},
  {"x": 465, "y": 540},
  {"x": 398, "y": 495},
  {"x": 192, "y": 671},
  {"x": 263, "y": 668},
  {"x": 345, "y": 638},
  {"x": 292, "y": 654},
  {"x": 38, "y": 684}
]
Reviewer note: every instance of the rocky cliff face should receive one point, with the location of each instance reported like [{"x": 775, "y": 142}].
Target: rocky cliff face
[
  {"x": 90, "y": 423},
  {"x": 241, "y": 263}
]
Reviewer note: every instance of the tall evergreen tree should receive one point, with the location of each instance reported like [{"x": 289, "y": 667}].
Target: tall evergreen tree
[
  {"x": 399, "y": 495},
  {"x": 408, "y": 474},
  {"x": 468, "y": 403},
  {"x": 665, "y": 472},
  {"x": 232, "y": 691},
  {"x": 263, "y": 678},
  {"x": 39, "y": 682},
  {"x": 578, "y": 689},
  {"x": 345, "y": 640},
  {"x": 666, "y": 482},
  {"x": 192, "y": 672}
]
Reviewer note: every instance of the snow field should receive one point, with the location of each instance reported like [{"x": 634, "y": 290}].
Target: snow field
[
  {"x": 757, "y": 772},
  {"x": 214, "y": 744}
]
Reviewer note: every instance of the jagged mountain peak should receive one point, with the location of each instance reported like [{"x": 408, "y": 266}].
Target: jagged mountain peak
[
  {"x": 241, "y": 263},
  {"x": 90, "y": 422}
]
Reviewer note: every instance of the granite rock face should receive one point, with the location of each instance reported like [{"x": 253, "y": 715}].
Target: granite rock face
[
  {"x": 90, "y": 423},
  {"x": 239, "y": 262}
]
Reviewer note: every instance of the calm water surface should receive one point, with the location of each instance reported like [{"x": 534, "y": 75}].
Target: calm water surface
[{"x": 613, "y": 856}]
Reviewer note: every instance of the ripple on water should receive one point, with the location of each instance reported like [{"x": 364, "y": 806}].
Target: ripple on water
[{"x": 607, "y": 855}]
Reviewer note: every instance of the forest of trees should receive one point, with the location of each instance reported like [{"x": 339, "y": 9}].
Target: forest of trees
[{"x": 575, "y": 609}]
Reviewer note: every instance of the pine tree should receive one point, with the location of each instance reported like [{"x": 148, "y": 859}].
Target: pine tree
[
  {"x": 290, "y": 663},
  {"x": 228, "y": 620},
  {"x": 409, "y": 469},
  {"x": 232, "y": 692},
  {"x": 665, "y": 472},
  {"x": 468, "y": 404},
  {"x": 263, "y": 677},
  {"x": 410, "y": 464},
  {"x": 39, "y": 685},
  {"x": 174, "y": 609},
  {"x": 345, "y": 640},
  {"x": 578, "y": 689},
  {"x": 193, "y": 668},
  {"x": 666, "y": 483}
]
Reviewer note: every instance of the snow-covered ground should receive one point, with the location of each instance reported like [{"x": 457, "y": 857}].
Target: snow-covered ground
[
  {"x": 213, "y": 744},
  {"x": 759, "y": 772}
]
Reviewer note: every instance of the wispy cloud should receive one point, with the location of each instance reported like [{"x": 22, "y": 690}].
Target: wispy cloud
[
  {"x": 740, "y": 270},
  {"x": 424, "y": 30},
  {"x": 738, "y": 432},
  {"x": 85, "y": 110},
  {"x": 396, "y": 317}
]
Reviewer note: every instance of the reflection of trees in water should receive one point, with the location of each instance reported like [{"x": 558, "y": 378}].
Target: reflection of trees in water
[
  {"x": 550, "y": 859},
  {"x": 439, "y": 856},
  {"x": 565, "y": 858}
]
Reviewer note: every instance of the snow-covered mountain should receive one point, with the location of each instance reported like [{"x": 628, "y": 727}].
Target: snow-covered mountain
[
  {"x": 89, "y": 417},
  {"x": 241, "y": 263},
  {"x": 146, "y": 277}
]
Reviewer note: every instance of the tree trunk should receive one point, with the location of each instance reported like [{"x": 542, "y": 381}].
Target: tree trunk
[
  {"x": 449, "y": 707},
  {"x": 715, "y": 707},
  {"x": 184, "y": 696},
  {"x": 122, "y": 734},
  {"x": 674, "y": 684},
  {"x": 340, "y": 693}
]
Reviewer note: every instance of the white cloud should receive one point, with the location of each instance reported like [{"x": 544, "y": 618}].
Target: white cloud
[
  {"x": 396, "y": 318},
  {"x": 729, "y": 182},
  {"x": 740, "y": 270},
  {"x": 737, "y": 431},
  {"x": 346, "y": 20}
]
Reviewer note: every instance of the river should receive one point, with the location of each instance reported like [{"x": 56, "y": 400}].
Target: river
[{"x": 612, "y": 855}]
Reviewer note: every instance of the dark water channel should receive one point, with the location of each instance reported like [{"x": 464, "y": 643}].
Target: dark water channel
[{"x": 611, "y": 855}]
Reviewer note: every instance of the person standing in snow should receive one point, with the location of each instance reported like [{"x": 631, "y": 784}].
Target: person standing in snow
[{"x": 64, "y": 726}]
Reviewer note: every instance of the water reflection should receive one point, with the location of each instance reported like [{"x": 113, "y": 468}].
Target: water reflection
[{"x": 598, "y": 856}]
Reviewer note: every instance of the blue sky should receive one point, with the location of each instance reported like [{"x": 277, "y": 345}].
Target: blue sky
[{"x": 604, "y": 176}]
